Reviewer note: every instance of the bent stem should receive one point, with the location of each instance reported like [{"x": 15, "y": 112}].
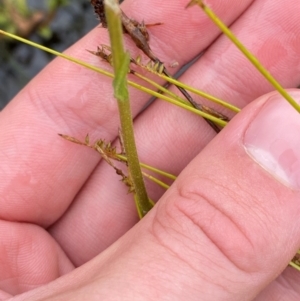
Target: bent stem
[
  {"x": 255, "y": 62},
  {"x": 121, "y": 61}
]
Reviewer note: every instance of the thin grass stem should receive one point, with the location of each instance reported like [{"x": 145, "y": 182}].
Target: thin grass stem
[
  {"x": 253, "y": 59},
  {"x": 157, "y": 181},
  {"x": 151, "y": 168}
]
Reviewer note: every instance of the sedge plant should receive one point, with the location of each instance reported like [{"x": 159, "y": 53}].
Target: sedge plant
[{"x": 120, "y": 63}]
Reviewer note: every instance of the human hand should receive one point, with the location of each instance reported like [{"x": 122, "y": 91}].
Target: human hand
[{"x": 225, "y": 230}]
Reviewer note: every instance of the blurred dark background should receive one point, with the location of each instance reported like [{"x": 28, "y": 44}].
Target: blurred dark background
[{"x": 53, "y": 23}]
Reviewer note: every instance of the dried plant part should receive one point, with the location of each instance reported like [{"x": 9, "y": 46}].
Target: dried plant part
[
  {"x": 139, "y": 34},
  {"x": 99, "y": 11},
  {"x": 72, "y": 139},
  {"x": 174, "y": 64},
  {"x": 108, "y": 153},
  {"x": 214, "y": 113},
  {"x": 103, "y": 54},
  {"x": 109, "y": 150},
  {"x": 87, "y": 139},
  {"x": 157, "y": 67}
]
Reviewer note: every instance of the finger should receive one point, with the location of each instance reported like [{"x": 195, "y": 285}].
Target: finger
[
  {"x": 4, "y": 296},
  {"x": 69, "y": 99},
  {"x": 180, "y": 24},
  {"x": 226, "y": 228},
  {"x": 169, "y": 138},
  {"x": 30, "y": 257}
]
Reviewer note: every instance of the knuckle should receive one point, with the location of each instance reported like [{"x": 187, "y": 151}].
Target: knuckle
[{"x": 207, "y": 217}]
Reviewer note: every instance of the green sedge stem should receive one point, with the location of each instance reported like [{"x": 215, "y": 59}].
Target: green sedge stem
[
  {"x": 139, "y": 209},
  {"x": 148, "y": 167},
  {"x": 292, "y": 264},
  {"x": 198, "y": 92},
  {"x": 247, "y": 53},
  {"x": 157, "y": 181},
  {"x": 109, "y": 74},
  {"x": 121, "y": 61},
  {"x": 161, "y": 88},
  {"x": 56, "y": 53}
]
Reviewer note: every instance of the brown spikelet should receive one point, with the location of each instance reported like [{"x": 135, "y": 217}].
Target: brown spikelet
[{"x": 99, "y": 11}]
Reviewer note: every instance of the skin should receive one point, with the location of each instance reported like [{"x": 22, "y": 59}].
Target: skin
[{"x": 63, "y": 208}]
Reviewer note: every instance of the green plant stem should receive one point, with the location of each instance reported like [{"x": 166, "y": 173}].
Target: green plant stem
[
  {"x": 132, "y": 158},
  {"x": 109, "y": 74},
  {"x": 121, "y": 61},
  {"x": 161, "y": 89},
  {"x": 203, "y": 94},
  {"x": 156, "y": 170},
  {"x": 255, "y": 62},
  {"x": 157, "y": 181},
  {"x": 295, "y": 266}
]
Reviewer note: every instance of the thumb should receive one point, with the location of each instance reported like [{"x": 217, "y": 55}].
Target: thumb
[
  {"x": 226, "y": 228},
  {"x": 230, "y": 223},
  {"x": 232, "y": 218}
]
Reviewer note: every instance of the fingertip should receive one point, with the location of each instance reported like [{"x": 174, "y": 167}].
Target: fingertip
[{"x": 227, "y": 210}]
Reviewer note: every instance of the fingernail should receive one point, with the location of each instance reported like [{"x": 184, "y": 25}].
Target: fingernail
[{"x": 273, "y": 140}]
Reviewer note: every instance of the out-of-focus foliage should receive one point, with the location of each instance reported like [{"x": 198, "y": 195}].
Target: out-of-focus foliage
[
  {"x": 53, "y": 23},
  {"x": 22, "y": 17}
]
